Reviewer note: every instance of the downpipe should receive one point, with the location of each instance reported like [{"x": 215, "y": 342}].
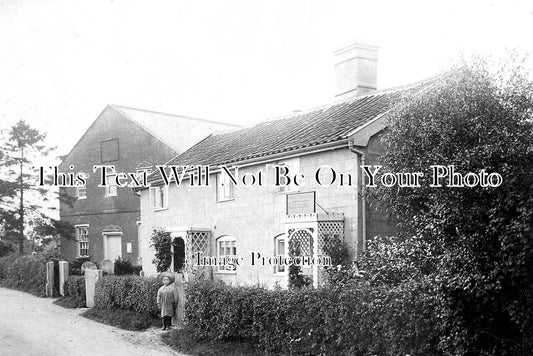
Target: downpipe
[{"x": 362, "y": 156}]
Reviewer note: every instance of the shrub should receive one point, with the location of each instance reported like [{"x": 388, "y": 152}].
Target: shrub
[
  {"x": 26, "y": 273},
  {"x": 350, "y": 320},
  {"x": 124, "y": 267},
  {"x": 75, "y": 287},
  {"x": 75, "y": 265},
  {"x": 5, "y": 262},
  {"x": 128, "y": 293},
  {"x": 161, "y": 242}
]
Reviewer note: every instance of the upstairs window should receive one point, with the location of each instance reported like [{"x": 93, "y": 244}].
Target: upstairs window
[
  {"x": 111, "y": 187},
  {"x": 81, "y": 192},
  {"x": 293, "y": 166},
  {"x": 159, "y": 197},
  {"x": 225, "y": 187},
  {"x": 82, "y": 236},
  {"x": 109, "y": 150}
]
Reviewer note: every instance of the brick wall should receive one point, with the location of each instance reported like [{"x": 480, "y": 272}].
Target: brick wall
[{"x": 99, "y": 211}]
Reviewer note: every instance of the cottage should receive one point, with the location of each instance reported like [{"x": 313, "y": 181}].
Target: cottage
[
  {"x": 106, "y": 218},
  {"x": 227, "y": 220}
]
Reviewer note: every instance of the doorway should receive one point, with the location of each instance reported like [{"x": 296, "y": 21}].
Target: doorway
[
  {"x": 178, "y": 254},
  {"x": 112, "y": 246}
]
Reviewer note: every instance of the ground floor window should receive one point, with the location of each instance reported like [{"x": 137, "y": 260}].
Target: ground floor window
[
  {"x": 279, "y": 250},
  {"x": 226, "y": 248},
  {"x": 82, "y": 237}
]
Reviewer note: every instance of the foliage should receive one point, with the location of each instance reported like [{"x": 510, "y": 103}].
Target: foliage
[
  {"x": 123, "y": 267},
  {"x": 75, "y": 265},
  {"x": 26, "y": 273},
  {"x": 474, "y": 245},
  {"x": 128, "y": 293},
  {"x": 25, "y": 204},
  {"x": 124, "y": 319},
  {"x": 356, "y": 319},
  {"x": 297, "y": 279},
  {"x": 343, "y": 269},
  {"x": 161, "y": 242},
  {"x": 5, "y": 248},
  {"x": 391, "y": 261},
  {"x": 75, "y": 290}
]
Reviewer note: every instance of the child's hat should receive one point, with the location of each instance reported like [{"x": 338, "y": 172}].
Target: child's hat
[{"x": 165, "y": 274}]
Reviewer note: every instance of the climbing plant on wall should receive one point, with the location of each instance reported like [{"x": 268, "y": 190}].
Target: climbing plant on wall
[{"x": 161, "y": 242}]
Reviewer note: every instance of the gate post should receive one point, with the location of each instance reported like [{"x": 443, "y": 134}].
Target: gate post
[
  {"x": 63, "y": 275},
  {"x": 91, "y": 277},
  {"x": 49, "y": 291}
]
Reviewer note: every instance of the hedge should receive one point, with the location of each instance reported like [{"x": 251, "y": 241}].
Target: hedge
[
  {"x": 26, "y": 273},
  {"x": 349, "y": 320},
  {"x": 75, "y": 287},
  {"x": 127, "y": 292}
]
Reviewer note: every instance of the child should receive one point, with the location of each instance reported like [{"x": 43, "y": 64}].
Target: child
[{"x": 167, "y": 298}]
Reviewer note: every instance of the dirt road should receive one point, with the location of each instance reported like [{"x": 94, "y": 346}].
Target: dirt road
[{"x": 34, "y": 326}]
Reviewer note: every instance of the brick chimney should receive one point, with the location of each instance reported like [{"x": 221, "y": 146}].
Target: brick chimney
[{"x": 355, "y": 70}]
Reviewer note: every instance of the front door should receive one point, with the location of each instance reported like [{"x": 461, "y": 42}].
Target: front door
[{"x": 113, "y": 246}]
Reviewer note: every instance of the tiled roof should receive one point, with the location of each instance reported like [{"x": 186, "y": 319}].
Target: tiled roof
[
  {"x": 176, "y": 131},
  {"x": 327, "y": 124}
]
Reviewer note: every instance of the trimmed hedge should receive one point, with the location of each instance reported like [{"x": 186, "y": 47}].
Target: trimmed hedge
[
  {"x": 75, "y": 287},
  {"x": 349, "y": 320},
  {"x": 26, "y": 273},
  {"x": 127, "y": 292}
]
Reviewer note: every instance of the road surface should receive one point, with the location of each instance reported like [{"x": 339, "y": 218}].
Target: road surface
[{"x": 34, "y": 326}]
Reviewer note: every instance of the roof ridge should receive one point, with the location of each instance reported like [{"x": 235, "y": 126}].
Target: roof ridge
[
  {"x": 143, "y": 127},
  {"x": 119, "y": 107},
  {"x": 347, "y": 100}
]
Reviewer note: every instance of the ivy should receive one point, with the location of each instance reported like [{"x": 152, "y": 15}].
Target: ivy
[{"x": 161, "y": 242}]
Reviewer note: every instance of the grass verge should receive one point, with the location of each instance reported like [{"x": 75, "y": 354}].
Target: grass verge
[
  {"x": 70, "y": 302},
  {"x": 124, "y": 319},
  {"x": 181, "y": 341}
]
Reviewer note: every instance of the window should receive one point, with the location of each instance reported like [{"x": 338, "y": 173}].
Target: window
[
  {"x": 293, "y": 166},
  {"x": 226, "y": 247},
  {"x": 279, "y": 250},
  {"x": 111, "y": 187},
  {"x": 159, "y": 197},
  {"x": 81, "y": 192},
  {"x": 82, "y": 236},
  {"x": 225, "y": 187},
  {"x": 109, "y": 150}
]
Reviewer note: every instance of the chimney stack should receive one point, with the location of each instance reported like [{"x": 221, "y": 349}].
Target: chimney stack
[{"x": 355, "y": 70}]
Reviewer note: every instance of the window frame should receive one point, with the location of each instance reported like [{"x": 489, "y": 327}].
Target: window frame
[
  {"x": 280, "y": 270},
  {"x": 111, "y": 183},
  {"x": 109, "y": 191},
  {"x": 79, "y": 189},
  {"x": 230, "y": 187},
  {"x": 79, "y": 242},
  {"x": 164, "y": 200},
  {"x": 294, "y": 168},
  {"x": 226, "y": 269}
]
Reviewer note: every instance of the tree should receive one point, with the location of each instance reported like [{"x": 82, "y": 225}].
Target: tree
[
  {"x": 478, "y": 239},
  {"x": 25, "y": 206}
]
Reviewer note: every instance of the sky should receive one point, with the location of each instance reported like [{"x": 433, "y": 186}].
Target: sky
[{"x": 62, "y": 62}]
